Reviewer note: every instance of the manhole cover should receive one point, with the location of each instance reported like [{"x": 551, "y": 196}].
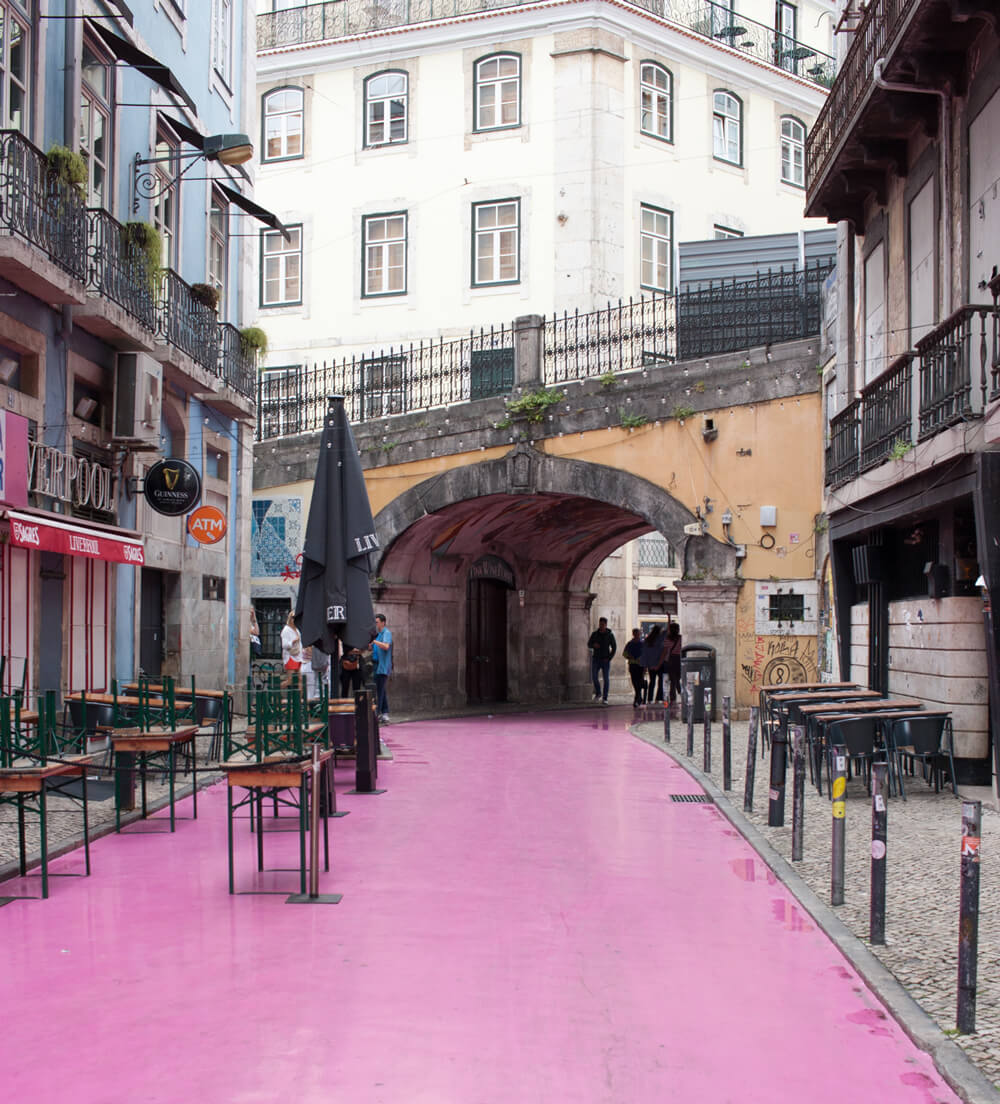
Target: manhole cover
[{"x": 692, "y": 799}]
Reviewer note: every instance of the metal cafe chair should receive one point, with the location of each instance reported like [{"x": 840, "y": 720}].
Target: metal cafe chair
[
  {"x": 859, "y": 735},
  {"x": 927, "y": 738}
]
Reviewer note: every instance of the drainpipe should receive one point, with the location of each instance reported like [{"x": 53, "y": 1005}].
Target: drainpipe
[
  {"x": 894, "y": 86},
  {"x": 71, "y": 76}
]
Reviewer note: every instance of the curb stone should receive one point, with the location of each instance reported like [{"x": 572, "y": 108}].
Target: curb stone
[{"x": 953, "y": 1064}]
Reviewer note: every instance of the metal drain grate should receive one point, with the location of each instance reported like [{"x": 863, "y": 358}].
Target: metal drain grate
[{"x": 692, "y": 799}]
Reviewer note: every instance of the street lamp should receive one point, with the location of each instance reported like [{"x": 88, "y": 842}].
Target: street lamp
[{"x": 227, "y": 149}]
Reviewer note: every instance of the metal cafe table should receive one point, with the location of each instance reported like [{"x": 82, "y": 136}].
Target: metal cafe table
[{"x": 156, "y": 743}]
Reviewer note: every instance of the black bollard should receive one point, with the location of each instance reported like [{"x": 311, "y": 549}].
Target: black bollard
[
  {"x": 689, "y": 705},
  {"x": 880, "y": 817},
  {"x": 751, "y": 760},
  {"x": 968, "y": 916},
  {"x": 727, "y": 747},
  {"x": 776, "y": 793},
  {"x": 838, "y": 788},
  {"x": 707, "y": 760},
  {"x": 366, "y": 738},
  {"x": 666, "y": 722},
  {"x": 798, "y": 790}
]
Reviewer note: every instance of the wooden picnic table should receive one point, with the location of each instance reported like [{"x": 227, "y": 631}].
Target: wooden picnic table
[
  {"x": 108, "y": 699},
  {"x": 794, "y": 686},
  {"x": 25, "y": 780},
  {"x": 179, "y": 690},
  {"x": 279, "y": 772},
  {"x": 163, "y": 741}
]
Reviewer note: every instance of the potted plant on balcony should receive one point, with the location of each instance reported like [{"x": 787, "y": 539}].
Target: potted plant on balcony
[
  {"x": 68, "y": 167},
  {"x": 143, "y": 242},
  {"x": 253, "y": 342},
  {"x": 206, "y": 295}
]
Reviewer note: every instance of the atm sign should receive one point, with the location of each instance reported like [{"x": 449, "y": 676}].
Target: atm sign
[{"x": 207, "y": 524}]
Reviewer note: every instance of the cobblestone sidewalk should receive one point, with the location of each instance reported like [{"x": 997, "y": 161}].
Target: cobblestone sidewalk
[{"x": 922, "y": 892}]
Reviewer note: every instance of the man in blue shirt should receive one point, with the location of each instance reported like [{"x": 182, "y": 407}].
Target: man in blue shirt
[{"x": 382, "y": 655}]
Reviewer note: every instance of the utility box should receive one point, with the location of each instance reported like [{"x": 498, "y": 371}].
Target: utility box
[
  {"x": 700, "y": 659},
  {"x": 138, "y": 399}
]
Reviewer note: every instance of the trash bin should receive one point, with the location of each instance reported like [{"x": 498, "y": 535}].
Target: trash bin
[{"x": 699, "y": 658}]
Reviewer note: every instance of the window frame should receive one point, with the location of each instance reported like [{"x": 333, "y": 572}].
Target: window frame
[
  {"x": 792, "y": 142},
  {"x": 653, "y": 236},
  {"x": 368, "y": 100},
  {"x": 218, "y": 235},
  {"x": 299, "y": 252},
  {"x": 478, "y": 83},
  {"x": 495, "y": 231},
  {"x": 265, "y": 115},
  {"x": 222, "y": 41},
  {"x": 667, "y": 94},
  {"x": 723, "y": 117},
  {"x": 725, "y": 233},
  {"x": 102, "y": 105},
  {"x": 782, "y": 41},
  {"x": 11, "y": 13},
  {"x": 382, "y": 245},
  {"x": 166, "y": 218}
]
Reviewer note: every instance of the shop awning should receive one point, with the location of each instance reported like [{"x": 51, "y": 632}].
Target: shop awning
[
  {"x": 51, "y": 534},
  {"x": 142, "y": 62},
  {"x": 254, "y": 209}
]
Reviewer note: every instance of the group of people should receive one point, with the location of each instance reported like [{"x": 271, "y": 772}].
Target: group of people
[
  {"x": 652, "y": 661},
  {"x": 355, "y": 663}
]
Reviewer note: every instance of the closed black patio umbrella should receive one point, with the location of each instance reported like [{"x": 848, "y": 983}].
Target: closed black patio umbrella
[{"x": 334, "y": 601}]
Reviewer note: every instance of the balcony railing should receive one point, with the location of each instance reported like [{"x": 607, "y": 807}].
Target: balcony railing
[
  {"x": 187, "y": 324},
  {"x": 887, "y": 412},
  {"x": 872, "y": 38},
  {"x": 994, "y": 289},
  {"x": 39, "y": 207},
  {"x": 310, "y": 23},
  {"x": 117, "y": 268},
  {"x": 843, "y": 452},
  {"x": 237, "y": 363},
  {"x": 955, "y": 368},
  {"x": 391, "y": 381}
]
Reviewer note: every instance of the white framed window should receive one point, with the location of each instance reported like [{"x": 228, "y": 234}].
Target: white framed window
[
  {"x": 218, "y": 248},
  {"x": 498, "y": 92},
  {"x": 727, "y": 128},
  {"x": 793, "y": 152},
  {"x": 222, "y": 40},
  {"x": 785, "y": 45},
  {"x": 656, "y": 232},
  {"x": 165, "y": 205},
  {"x": 281, "y": 267},
  {"x": 720, "y": 233},
  {"x": 384, "y": 254},
  {"x": 95, "y": 123},
  {"x": 387, "y": 108},
  {"x": 656, "y": 91},
  {"x": 496, "y": 242},
  {"x": 14, "y": 62},
  {"x": 281, "y": 115}
]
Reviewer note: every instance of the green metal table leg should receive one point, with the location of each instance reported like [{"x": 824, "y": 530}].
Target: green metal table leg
[
  {"x": 229, "y": 798},
  {"x": 260, "y": 829},
  {"x": 20, "y": 835},
  {"x": 45, "y": 841},
  {"x": 170, "y": 769},
  {"x": 194, "y": 773},
  {"x": 303, "y": 823},
  {"x": 86, "y": 828}
]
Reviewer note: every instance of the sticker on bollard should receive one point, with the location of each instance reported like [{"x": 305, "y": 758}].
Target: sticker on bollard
[
  {"x": 839, "y": 787},
  {"x": 970, "y": 847},
  {"x": 878, "y": 849},
  {"x": 774, "y": 794},
  {"x": 839, "y": 810}
]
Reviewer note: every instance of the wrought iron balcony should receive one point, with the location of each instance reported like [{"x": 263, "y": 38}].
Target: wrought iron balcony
[
  {"x": 887, "y": 412},
  {"x": 843, "y": 453},
  {"x": 39, "y": 207},
  {"x": 956, "y": 367},
  {"x": 237, "y": 363},
  {"x": 312, "y": 23},
  {"x": 117, "y": 268},
  {"x": 187, "y": 324}
]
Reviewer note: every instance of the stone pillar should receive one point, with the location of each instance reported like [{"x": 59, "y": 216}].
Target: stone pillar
[
  {"x": 576, "y": 678},
  {"x": 707, "y": 615},
  {"x": 528, "y": 349}
]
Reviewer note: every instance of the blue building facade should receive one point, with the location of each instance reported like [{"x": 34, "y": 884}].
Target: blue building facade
[{"x": 126, "y": 237}]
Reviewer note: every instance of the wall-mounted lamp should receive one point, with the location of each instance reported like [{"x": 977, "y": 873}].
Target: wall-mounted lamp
[{"x": 227, "y": 149}]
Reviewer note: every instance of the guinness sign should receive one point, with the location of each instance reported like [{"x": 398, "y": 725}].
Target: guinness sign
[{"x": 172, "y": 487}]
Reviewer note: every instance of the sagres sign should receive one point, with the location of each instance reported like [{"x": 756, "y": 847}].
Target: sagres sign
[{"x": 172, "y": 487}]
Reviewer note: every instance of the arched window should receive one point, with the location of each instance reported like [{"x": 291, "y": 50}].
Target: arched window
[
  {"x": 498, "y": 92},
  {"x": 793, "y": 151},
  {"x": 281, "y": 112},
  {"x": 727, "y": 127},
  {"x": 656, "y": 101},
  {"x": 387, "y": 108}
]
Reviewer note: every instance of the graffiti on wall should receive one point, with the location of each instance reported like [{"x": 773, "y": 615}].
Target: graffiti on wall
[{"x": 778, "y": 659}]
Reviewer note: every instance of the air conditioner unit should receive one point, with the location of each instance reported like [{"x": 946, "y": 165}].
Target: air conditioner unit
[{"x": 138, "y": 399}]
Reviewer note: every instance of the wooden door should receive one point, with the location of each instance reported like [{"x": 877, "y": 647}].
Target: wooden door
[
  {"x": 486, "y": 641},
  {"x": 151, "y": 623}
]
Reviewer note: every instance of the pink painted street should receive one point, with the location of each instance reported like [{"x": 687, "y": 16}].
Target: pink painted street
[{"x": 527, "y": 916}]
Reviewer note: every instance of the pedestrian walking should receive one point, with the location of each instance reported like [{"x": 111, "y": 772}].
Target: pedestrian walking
[
  {"x": 602, "y": 647},
  {"x": 672, "y": 665},
  {"x": 633, "y": 656},
  {"x": 382, "y": 654},
  {"x": 352, "y": 677},
  {"x": 291, "y": 650},
  {"x": 652, "y": 657},
  {"x": 319, "y": 669}
]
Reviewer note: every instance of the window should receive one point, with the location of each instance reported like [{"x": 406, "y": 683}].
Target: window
[
  {"x": 727, "y": 119},
  {"x": 785, "y": 46},
  {"x": 657, "y": 603},
  {"x": 95, "y": 124},
  {"x": 282, "y": 116},
  {"x": 496, "y": 242},
  {"x": 786, "y": 607},
  {"x": 384, "y": 254},
  {"x": 656, "y": 551},
  {"x": 222, "y": 40},
  {"x": 656, "y": 248},
  {"x": 218, "y": 248},
  {"x": 498, "y": 92},
  {"x": 165, "y": 203},
  {"x": 723, "y": 232},
  {"x": 383, "y": 385},
  {"x": 386, "y": 108},
  {"x": 793, "y": 152},
  {"x": 281, "y": 267},
  {"x": 272, "y": 613},
  {"x": 14, "y": 61},
  {"x": 656, "y": 88}
]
